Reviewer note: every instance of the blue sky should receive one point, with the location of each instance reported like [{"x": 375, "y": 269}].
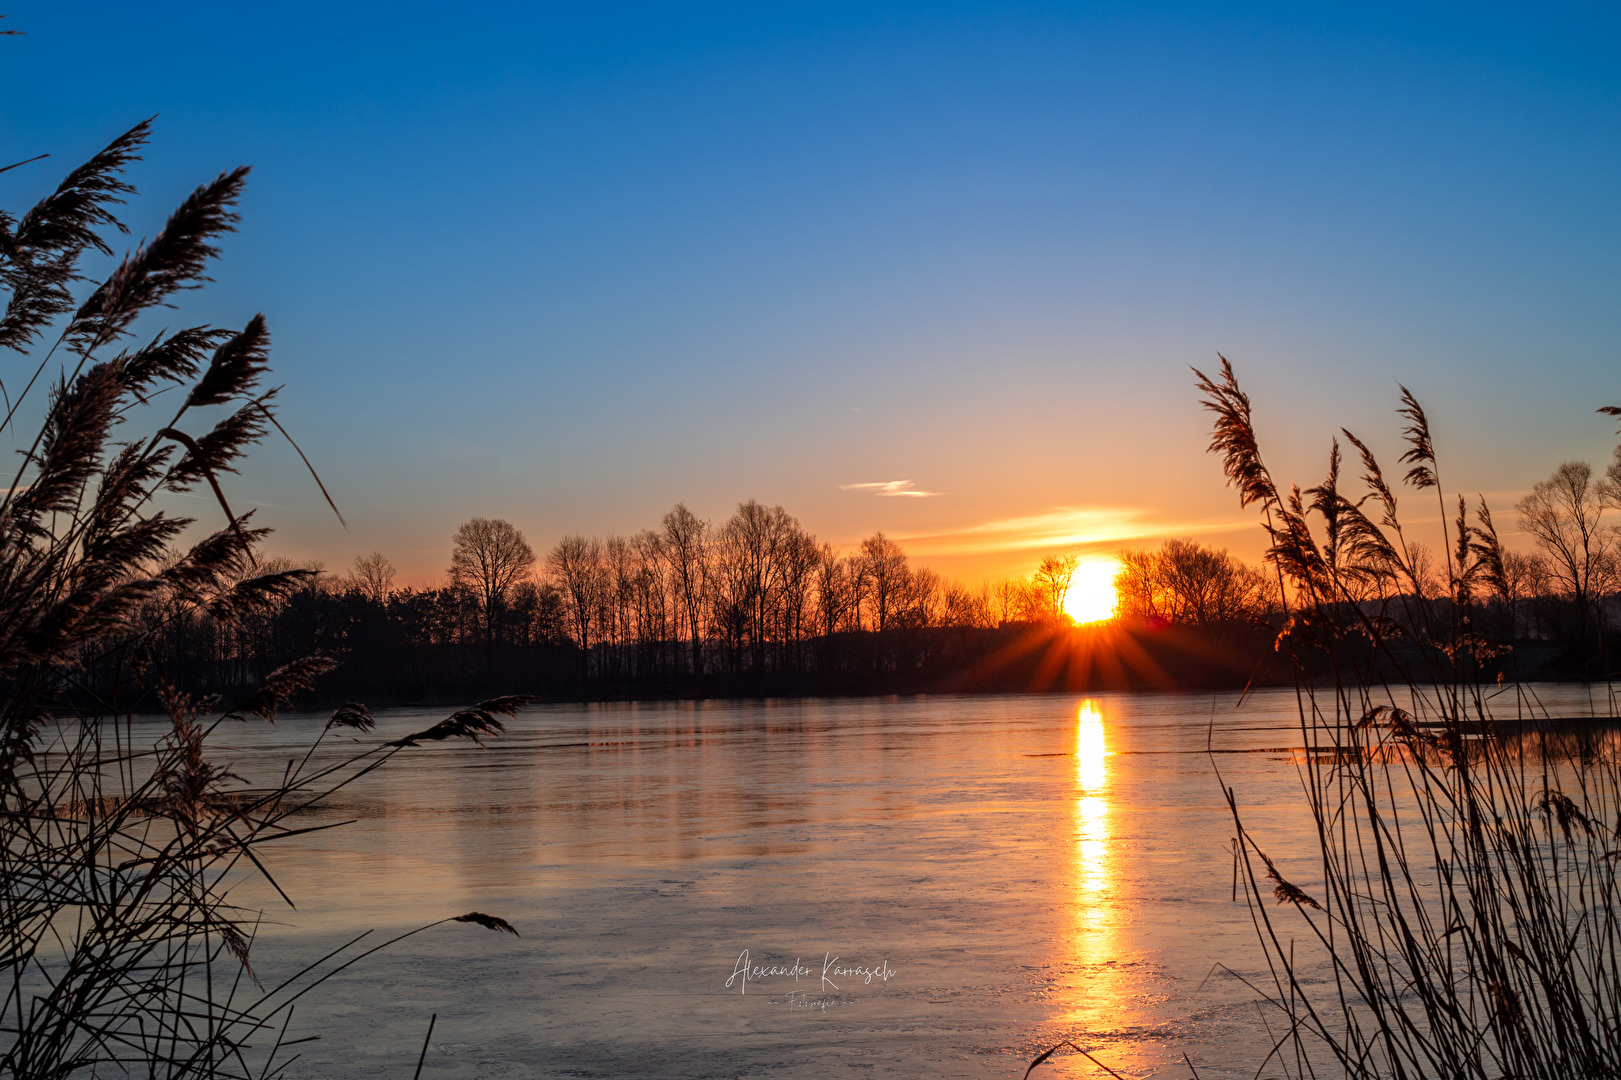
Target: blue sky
[{"x": 568, "y": 267}]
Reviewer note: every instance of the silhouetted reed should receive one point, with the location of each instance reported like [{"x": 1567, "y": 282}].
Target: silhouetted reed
[
  {"x": 1456, "y": 915},
  {"x": 123, "y": 948}
]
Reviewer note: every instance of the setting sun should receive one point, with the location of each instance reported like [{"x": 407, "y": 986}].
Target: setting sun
[{"x": 1091, "y": 597}]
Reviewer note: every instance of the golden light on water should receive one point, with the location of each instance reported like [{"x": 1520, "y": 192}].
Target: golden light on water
[
  {"x": 1091, "y": 751},
  {"x": 1091, "y": 597},
  {"x": 1091, "y": 805},
  {"x": 1093, "y": 927}
]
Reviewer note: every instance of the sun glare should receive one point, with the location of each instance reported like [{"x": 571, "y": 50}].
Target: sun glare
[{"x": 1091, "y": 596}]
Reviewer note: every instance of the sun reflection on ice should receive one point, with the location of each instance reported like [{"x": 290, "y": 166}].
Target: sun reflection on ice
[{"x": 1094, "y": 1001}]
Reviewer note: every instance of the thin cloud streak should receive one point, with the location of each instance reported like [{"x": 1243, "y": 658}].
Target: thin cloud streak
[
  {"x": 890, "y": 487},
  {"x": 1062, "y": 527}
]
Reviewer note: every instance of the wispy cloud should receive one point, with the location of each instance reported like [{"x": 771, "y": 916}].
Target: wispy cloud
[
  {"x": 890, "y": 487},
  {"x": 1062, "y": 527}
]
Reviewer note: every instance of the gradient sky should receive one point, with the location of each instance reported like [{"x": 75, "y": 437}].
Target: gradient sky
[{"x": 570, "y": 265}]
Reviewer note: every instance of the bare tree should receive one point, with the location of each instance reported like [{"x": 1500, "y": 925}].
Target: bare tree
[
  {"x": 1564, "y": 517},
  {"x": 922, "y": 599},
  {"x": 1052, "y": 581},
  {"x": 617, "y": 599},
  {"x": 1187, "y": 582},
  {"x": 829, "y": 590},
  {"x": 883, "y": 564},
  {"x": 686, "y": 550},
  {"x": 1029, "y": 601},
  {"x": 1609, "y": 489},
  {"x": 1425, "y": 571},
  {"x": 1004, "y": 601},
  {"x": 654, "y": 607},
  {"x": 1136, "y": 585},
  {"x": 576, "y": 566},
  {"x": 488, "y": 557},
  {"x": 801, "y": 561},
  {"x": 374, "y": 576},
  {"x": 961, "y": 606},
  {"x": 1523, "y": 579},
  {"x": 754, "y": 547}
]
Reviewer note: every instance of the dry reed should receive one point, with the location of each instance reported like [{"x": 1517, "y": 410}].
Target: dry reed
[
  {"x": 1458, "y": 913},
  {"x": 122, "y": 949}
]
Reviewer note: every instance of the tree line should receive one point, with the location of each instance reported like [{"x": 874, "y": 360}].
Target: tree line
[
  {"x": 751, "y": 604},
  {"x": 1556, "y": 604},
  {"x": 758, "y": 604}
]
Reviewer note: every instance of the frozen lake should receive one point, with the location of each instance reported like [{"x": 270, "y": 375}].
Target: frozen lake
[{"x": 948, "y": 885}]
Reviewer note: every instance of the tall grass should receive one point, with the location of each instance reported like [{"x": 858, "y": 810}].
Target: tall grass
[
  {"x": 122, "y": 949},
  {"x": 1457, "y": 914}
]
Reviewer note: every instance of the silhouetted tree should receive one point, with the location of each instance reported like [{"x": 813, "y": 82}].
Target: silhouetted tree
[
  {"x": 753, "y": 550},
  {"x": 835, "y": 591},
  {"x": 801, "y": 559},
  {"x": 1564, "y": 517},
  {"x": 488, "y": 557},
  {"x": 374, "y": 576},
  {"x": 1052, "y": 581},
  {"x": 963, "y": 607},
  {"x": 575, "y": 564},
  {"x": 883, "y": 565},
  {"x": 1187, "y": 582},
  {"x": 1005, "y": 600},
  {"x": 685, "y": 550}
]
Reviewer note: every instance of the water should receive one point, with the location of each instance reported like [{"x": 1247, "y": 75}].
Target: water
[{"x": 946, "y": 886}]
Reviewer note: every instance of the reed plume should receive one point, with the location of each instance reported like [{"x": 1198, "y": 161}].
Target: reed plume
[
  {"x": 1233, "y": 437},
  {"x": 174, "y": 260},
  {"x": 352, "y": 714},
  {"x": 1420, "y": 453},
  {"x": 481, "y": 719},
  {"x": 1463, "y": 917},
  {"x": 123, "y": 948},
  {"x": 39, "y": 253},
  {"x": 489, "y": 922}
]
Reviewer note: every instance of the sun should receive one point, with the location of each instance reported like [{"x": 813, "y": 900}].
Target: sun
[{"x": 1091, "y": 597}]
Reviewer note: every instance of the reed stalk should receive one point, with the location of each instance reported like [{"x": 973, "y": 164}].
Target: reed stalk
[
  {"x": 1457, "y": 913},
  {"x": 122, "y": 946}
]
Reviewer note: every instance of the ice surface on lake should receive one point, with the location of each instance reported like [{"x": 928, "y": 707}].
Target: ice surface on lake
[{"x": 1012, "y": 871}]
